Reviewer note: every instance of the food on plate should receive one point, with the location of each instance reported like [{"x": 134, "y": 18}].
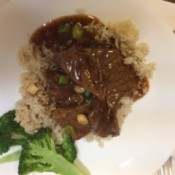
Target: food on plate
[
  {"x": 11, "y": 133},
  {"x": 81, "y": 73},
  {"x": 81, "y": 77},
  {"x": 40, "y": 153}
]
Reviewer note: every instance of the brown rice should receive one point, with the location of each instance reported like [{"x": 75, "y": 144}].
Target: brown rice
[{"x": 34, "y": 111}]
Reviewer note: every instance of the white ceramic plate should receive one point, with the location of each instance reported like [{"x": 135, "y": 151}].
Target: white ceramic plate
[{"x": 147, "y": 138}]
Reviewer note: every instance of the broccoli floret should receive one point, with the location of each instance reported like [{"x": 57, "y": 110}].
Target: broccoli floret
[
  {"x": 11, "y": 133},
  {"x": 67, "y": 148},
  {"x": 39, "y": 155}
]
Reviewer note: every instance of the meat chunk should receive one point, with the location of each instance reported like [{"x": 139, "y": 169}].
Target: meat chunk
[
  {"x": 120, "y": 79},
  {"x": 101, "y": 71},
  {"x": 61, "y": 95},
  {"x": 68, "y": 116},
  {"x": 94, "y": 65},
  {"x": 84, "y": 68},
  {"x": 101, "y": 119}
]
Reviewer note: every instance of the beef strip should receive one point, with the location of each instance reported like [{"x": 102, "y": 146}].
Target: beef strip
[
  {"x": 84, "y": 68},
  {"x": 109, "y": 79},
  {"x": 68, "y": 116},
  {"x": 120, "y": 79},
  {"x": 97, "y": 66},
  {"x": 102, "y": 119},
  {"x": 61, "y": 95},
  {"x": 99, "y": 70}
]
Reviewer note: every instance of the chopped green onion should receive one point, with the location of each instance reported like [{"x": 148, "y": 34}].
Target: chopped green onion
[
  {"x": 63, "y": 79},
  {"x": 94, "y": 42},
  {"x": 64, "y": 28},
  {"x": 77, "y": 31},
  {"x": 69, "y": 130},
  {"x": 87, "y": 94}
]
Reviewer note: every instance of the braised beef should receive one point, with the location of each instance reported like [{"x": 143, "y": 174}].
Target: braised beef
[
  {"x": 97, "y": 67},
  {"x": 120, "y": 79},
  {"x": 109, "y": 79},
  {"x": 102, "y": 119},
  {"x": 100, "y": 70},
  {"x": 84, "y": 68},
  {"x": 63, "y": 96},
  {"x": 68, "y": 116}
]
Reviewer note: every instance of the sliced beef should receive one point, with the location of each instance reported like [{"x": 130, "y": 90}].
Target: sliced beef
[
  {"x": 62, "y": 95},
  {"x": 102, "y": 119},
  {"x": 84, "y": 68},
  {"x": 68, "y": 116},
  {"x": 101, "y": 71},
  {"x": 93, "y": 63},
  {"x": 120, "y": 79}
]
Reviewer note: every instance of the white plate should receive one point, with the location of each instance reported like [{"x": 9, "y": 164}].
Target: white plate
[{"x": 147, "y": 138}]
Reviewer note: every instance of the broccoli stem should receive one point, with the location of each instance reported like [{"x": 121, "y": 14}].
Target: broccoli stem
[
  {"x": 39, "y": 154},
  {"x": 81, "y": 167},
  {"x": 16, "y": 142},
  {"x": 59, "y": 164},
  {"x": 14, "y": 156},
  {"x": 63, "y": 167}
]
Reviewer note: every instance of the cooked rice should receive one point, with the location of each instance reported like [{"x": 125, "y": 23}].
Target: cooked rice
[{"x": 34, "y": 111}]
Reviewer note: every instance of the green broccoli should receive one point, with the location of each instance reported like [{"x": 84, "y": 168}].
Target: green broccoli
[
  {"x": 11, "y": 133},
  {"x": 14, "y": 156},
  {"x": 39, "y": 155},
  {"x": 67, "y": 149}
]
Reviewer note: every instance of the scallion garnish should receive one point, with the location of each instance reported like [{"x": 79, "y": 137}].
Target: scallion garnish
[
  {"x": 64, "y": 28},
  {"x": 63, "y": 79},
  {"x": 77, "y": 31},
  {"x": 70, "y": 130},
  {"x": 87, "y": 94}
]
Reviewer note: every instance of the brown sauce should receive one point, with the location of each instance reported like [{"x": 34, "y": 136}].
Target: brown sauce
[
  {"x": 97, "y": 66},
  {"x": 49, "y": 35}
]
